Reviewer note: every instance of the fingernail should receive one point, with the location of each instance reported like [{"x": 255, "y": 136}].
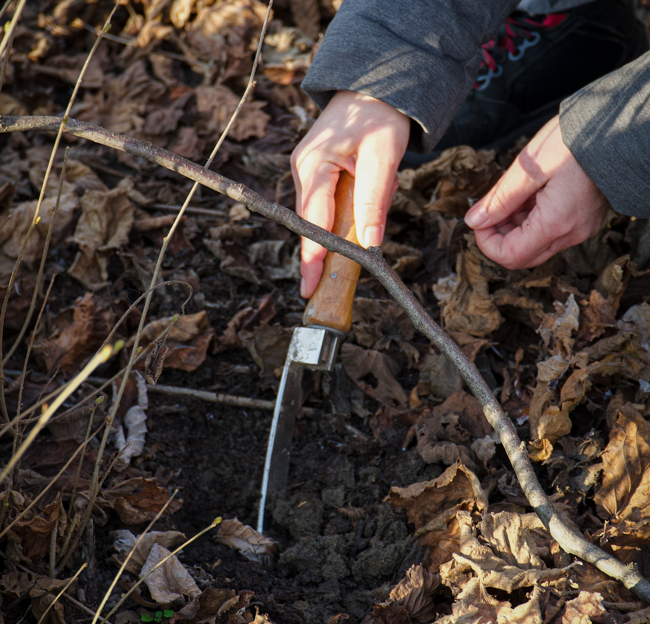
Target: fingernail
[
  {"x": 476, "y": 217},
  {"x": 303, "y": 287},
  {"x": 373, "y": 235}
]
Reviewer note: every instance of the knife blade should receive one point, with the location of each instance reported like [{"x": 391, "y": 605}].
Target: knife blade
[{"x": 326, "y": 321}]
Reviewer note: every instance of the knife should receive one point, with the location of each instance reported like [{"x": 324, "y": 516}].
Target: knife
[{"x": 314, "y": 345}]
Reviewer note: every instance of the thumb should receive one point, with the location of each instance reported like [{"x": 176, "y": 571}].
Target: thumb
[
  {"x": 374, "y": 188},
  {"x": 522, "y": 180}
]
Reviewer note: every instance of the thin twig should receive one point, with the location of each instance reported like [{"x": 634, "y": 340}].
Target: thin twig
[
  {"x": 53, "y": 536},
  {"x": 373, "y": 261},
  {"x": 128, "y": 557},
  {"x": 62, "y": 592},
  {"x": 211, "y": 397},
  {"x": 161, "y": 562}
]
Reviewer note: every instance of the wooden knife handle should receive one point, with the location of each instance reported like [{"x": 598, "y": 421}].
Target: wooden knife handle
[{"x": 331, "y": 303}]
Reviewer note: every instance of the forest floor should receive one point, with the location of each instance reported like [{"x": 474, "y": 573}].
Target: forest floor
[{"x": 402, "y": 507}]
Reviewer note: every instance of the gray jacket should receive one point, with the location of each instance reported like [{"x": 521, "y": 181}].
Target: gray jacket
[{"x": 422, "y": 56}]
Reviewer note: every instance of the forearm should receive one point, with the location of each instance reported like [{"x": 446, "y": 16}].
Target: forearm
[{"x": 419, "y": 56}]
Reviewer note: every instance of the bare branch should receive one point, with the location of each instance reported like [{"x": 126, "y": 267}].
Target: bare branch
[{"x": 372, "y": 260}]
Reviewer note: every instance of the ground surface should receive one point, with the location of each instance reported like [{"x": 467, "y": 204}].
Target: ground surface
[{"x": 401, "y": 507}]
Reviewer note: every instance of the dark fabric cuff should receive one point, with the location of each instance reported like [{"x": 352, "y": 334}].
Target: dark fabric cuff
[{"x": 606, "y": 125}]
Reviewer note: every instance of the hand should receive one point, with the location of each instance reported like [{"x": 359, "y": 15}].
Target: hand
[
  {"x": 367, "y": 138},
  {"x": 543, "y": 204}
]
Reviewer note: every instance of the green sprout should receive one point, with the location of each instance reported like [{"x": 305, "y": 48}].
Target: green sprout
[{"x": 157, "y": 616}]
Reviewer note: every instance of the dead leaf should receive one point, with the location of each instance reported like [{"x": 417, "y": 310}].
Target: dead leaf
[
  {"x": 413, "y": 596},
  {"x": 595, "y": 318},
  {"x": 507, "y": 556},
  {"x": 557, "y": 328},
  {"x": 425, "y": 501},
  {"x": 104, "y": 226},
  {"x": 247, "y": 541},
  {"x": 626, "y": 469},
  {"x": 475, "y": 606},
  {"x": 471, "y": 308},
  {"x": 75, "y": 333},
  {"x": 287, "y": 55},
  {"x": 170, "y": 581},
  {"x": 35, "y": 533},
  {"x": 374, "y": 373},
  {"x": 187, "y": 341},
  {"x": 216, "y": 106},
  {"x": 439, "y": 376},
  {"x": 135, "y": 421},
  {"x": 125, "y": 542},
  {"x": 580, "y": 610},
  {"x": 138, "y": 500}
]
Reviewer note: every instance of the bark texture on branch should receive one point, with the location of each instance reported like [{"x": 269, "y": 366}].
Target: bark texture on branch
[{"x": 372, "y": 260}]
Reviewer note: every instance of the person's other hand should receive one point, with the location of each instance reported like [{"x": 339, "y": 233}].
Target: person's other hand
[
  {"x": 543, "y": 204},
  {"x": 365, "y": 137}
]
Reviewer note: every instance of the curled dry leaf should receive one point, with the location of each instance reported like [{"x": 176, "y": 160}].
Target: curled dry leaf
[
  {"x": 374, "y": 373},
  {"x": 557, "y": 328},
  {"x": 582, "y": 609},
  {"x": 215, "y": 605},
  {"x": 75, "y": 333},
  {"x": 475, "y": 606},
  {"x": 411, "y": 601},
  {"x": 125, "y": 542},
  {"x": 187, "y": 341},
  {"x": 138, "y": 500},
  {"x": 507, "y": 558},
  {"x": 170, "y": 581},
  {"x": 425, "y": 501},
  {"x": 104, "y": 226},
  {"x": 626, "y": 469},
  {"x": 35, "y": 532},
  {"x": 247, "y": 541},
  {"x": 135, "y": 421},
  {"x": 287, "y": 55},
  {"x": 471, "y": 308},
  {"x": 216, "y": 106}
]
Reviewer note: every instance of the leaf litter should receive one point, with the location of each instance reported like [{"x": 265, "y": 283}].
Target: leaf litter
[{"x": 402, "y": 507}]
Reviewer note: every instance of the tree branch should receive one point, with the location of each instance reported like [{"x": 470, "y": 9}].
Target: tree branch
[{"x": 372, "y": 260}]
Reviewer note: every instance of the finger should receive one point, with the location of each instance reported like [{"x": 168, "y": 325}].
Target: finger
[
  {"x": 517, "y": 247},
  {"x": 374, "y": 188},
  {"x": 316, "y": 205},
  {"x": 522, "y": 180}
]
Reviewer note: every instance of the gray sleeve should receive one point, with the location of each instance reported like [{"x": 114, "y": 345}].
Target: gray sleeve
[
  {"x": 606, "y": 125},
  {"x": 419, "y": 56}
]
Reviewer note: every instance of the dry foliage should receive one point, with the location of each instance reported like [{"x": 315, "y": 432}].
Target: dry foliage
[{"x": 564, "y": 346}]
